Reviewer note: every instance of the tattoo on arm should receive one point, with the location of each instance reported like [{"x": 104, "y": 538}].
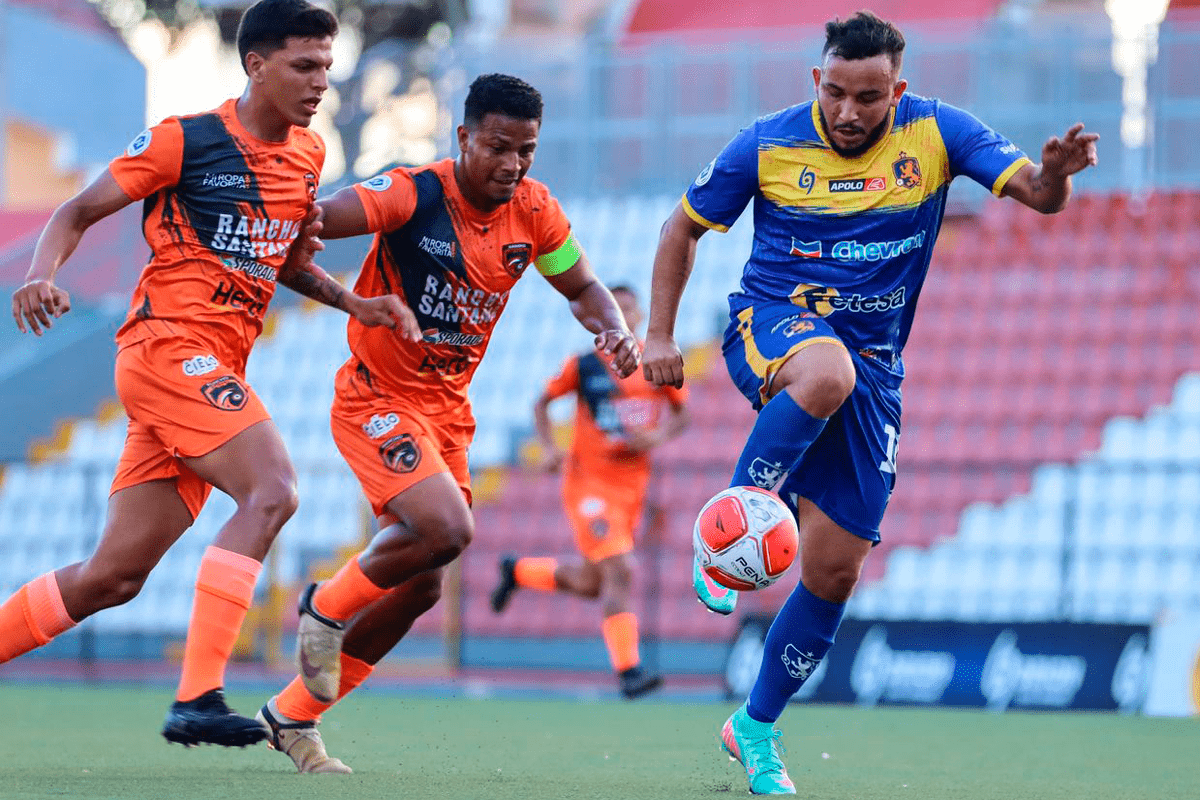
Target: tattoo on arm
[{"x": 315, "y": 285}]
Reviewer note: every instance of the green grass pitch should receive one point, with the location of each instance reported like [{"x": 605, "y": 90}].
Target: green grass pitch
[{"x": 98, "y": 743}]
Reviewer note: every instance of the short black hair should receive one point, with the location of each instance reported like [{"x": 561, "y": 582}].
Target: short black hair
[
  {"x": 268, "y": 24},
  {"x": 623, "y": 287},
  {"x": 501, "y": 94},
  {"x": 863, "y": 35}
]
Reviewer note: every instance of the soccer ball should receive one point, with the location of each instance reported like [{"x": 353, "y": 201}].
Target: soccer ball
[{"x": 745, "y": 538}]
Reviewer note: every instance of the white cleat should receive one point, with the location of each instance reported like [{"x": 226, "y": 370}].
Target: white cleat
[{"x": 299, "y": 741}]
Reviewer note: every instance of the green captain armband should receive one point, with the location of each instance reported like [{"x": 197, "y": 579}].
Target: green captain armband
[{"x": 561, "y": 260}]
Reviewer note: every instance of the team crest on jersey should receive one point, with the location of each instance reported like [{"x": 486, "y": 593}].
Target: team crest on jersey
[
  {"x": 139, "y": 144},
  {"x": 400, "y": 453},
  {"x": 907, "y": 171},
  {"x": 226, "y": 393},
  {"x": 380, "y": 183},
  {"x": 706, "y": 173},
  {"x": 516, "y": 257},
  {"x": 310, "y": 186}
]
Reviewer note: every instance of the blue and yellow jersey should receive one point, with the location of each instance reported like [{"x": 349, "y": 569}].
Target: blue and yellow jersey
[{"x": 848, "y": 238}]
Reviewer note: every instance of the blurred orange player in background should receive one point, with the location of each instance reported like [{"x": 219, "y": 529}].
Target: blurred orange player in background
[{"x": 618, "y": 422}]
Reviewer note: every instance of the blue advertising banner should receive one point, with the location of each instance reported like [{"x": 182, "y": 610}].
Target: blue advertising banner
[{"x": 1044, "y": 665}]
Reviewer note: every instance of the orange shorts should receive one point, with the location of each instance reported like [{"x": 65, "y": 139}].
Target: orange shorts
[
  {"x": 182, "y": 402},
  {"x": 389, "y": 446},
  {"x": 604, "y": 513}
]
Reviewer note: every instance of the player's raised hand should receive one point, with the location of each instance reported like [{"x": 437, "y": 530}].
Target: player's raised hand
[
  {"x": 36, "y": 303},
  {"x": 621, "y": 346},
  {"x": 662, "y": 363},
  {"x": 1074, "y": 152},
  {"x": 391, "y": 312}
]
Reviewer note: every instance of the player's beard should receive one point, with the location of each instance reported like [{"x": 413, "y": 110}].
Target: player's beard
[{"x": 854, "y": 152}]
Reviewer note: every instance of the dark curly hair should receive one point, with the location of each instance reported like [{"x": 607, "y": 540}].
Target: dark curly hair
[
  {"x": 501, "y": 94},
  {"x": 863, "y": 35}
]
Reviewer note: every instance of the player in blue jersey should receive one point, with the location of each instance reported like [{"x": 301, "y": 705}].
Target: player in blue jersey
[{"x": 849, "y": 192}]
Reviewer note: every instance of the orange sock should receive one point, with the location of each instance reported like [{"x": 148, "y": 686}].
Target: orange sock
[
  {"x": 621, "y": 638},
  {"x": 346, "y": 593},
  {"x": 32, "y": 617},
  {"x": 224, "y": 592},
  {"x": 296, "y": 703},
  {"x": 536, "y": 573}
]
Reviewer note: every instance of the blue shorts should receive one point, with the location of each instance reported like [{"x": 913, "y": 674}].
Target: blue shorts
[{"x": 850, "y": 470}]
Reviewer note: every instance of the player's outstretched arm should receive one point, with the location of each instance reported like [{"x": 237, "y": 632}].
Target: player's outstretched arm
[
  {"x": 301, "y": 274},
  {"x": 593, "y": 305},
  {"x": 662, "y": 362},
  {"x": 39, "y": 299},
  {"x": 1046, "y": 187}
]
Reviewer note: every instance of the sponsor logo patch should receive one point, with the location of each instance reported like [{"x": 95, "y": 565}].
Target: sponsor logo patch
[
  {"x": 200, "y": 365},
  {"x": 380, "y": 426},
  {"x": 139, "y": 144},
  {"x": 226, "y": 393},
  {"x": 824, "y": 300},
  {"x": 858, "y": 185},
  {"x": 224, "y": 180},
  {"x": 806, "y": 249},
  {"x": 380, "y": 183},
  {"x": 436, "y": 247},
  {"x": 706, "y": 173},
  {"x": 850, "y": 250},
  {"x": 808, "y": 179},
  {"x": 401, "y": 453},
  {"x": 437, "y": 336}
]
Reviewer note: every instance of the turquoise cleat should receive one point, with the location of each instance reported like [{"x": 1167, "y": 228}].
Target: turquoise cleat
[
  {"x": 718, "y": 604},
  {"x": 753, "y": 744}
]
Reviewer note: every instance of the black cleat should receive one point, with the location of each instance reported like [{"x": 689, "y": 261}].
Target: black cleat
[
  {"x": 503, "y": 592},
  {"x": 207, "y": 719},
  {"x": 635, "y": 682}
]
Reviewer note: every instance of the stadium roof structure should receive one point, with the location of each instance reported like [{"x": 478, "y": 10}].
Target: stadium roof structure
[{"x": 717, "y": 17}]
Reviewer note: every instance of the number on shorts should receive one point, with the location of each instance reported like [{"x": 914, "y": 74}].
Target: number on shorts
[{"x": 889, "y": 464}]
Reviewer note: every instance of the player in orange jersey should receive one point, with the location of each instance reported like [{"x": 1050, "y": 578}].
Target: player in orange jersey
[
  {"x": 226, "y": 193},
  {"x": 452, "y": 238},
  {"x": 618, "y": 421}
]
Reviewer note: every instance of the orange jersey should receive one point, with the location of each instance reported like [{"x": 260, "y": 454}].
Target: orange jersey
[
  {"x": 221, "y": 209},
  {"x": 609, "y": 408},
  {"x": 454, "y": 266}
]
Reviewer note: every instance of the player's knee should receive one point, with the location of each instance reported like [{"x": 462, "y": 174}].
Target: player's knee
[
  {"x": 819, "y": 383},
  {"x": 106, "y": 587},
  {"x": 275, "y": 500},
  {"x": 836, "y": 584},
  {"x": 448, "y": 535}
]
